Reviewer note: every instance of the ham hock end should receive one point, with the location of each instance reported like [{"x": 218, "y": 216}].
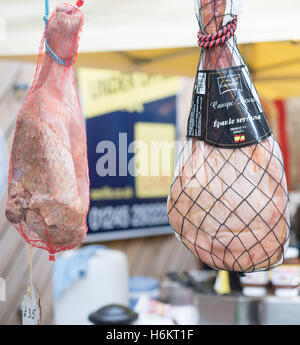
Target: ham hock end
[{"x": 229, "y": 211}]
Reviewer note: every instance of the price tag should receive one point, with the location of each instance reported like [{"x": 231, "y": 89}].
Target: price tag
[{"x": 31, "y": 310}]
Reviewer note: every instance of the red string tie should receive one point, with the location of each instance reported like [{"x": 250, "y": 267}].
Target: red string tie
[
  {"x": 79, "y": 3},
  {"x": 219, "y": 37}
]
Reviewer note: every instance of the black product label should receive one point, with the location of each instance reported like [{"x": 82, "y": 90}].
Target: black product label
[{"x": 226, "y": 111}]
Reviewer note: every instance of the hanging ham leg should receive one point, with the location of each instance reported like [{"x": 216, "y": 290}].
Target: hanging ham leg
[
  {"x": 229, "y": 206},
  {"x": 48, "y": 194}
]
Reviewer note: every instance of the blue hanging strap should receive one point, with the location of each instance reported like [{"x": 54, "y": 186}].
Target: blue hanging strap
[
  {"x": 46, "y": 16},
  {"x": 56, "y": 58}
]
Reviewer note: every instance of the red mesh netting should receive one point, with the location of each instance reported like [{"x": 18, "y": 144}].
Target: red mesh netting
[
  {"x": 48, "y": 189},
  {"x": 228, "y": 203}
]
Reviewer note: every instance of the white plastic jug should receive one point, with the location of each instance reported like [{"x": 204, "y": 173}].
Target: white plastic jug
[{"x": 105, "y": 282}]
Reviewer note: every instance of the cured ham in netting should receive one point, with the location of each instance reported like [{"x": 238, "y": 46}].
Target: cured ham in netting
[
  {"x": 228, "y": 202},
  {"x": 48, "y": 190}
]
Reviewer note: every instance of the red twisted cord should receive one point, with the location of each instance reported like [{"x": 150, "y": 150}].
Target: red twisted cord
[
  {"x": 219, "y": 37},
  {"x": 79, "y": 3}
]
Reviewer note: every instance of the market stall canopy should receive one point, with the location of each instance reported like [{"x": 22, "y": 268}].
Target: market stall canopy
[
  {"x": 160, "y": 37},
  {"x": 112, "y": 25}
]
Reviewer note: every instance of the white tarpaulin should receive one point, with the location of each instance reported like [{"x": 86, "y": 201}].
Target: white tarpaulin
[{"x": 112, "y": 25}]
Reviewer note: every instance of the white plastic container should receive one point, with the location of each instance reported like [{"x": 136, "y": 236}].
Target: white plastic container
[
  {"x": 105, "y": 282},
  {"x": 294, "y": 292},
  {"x": 254, "y": 291},
  {"x": 255, "y": 284},
  {"x": 286, "y": 277}
]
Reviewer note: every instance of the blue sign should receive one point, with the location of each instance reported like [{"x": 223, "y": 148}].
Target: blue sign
[{"x": 121, "y": 204}]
